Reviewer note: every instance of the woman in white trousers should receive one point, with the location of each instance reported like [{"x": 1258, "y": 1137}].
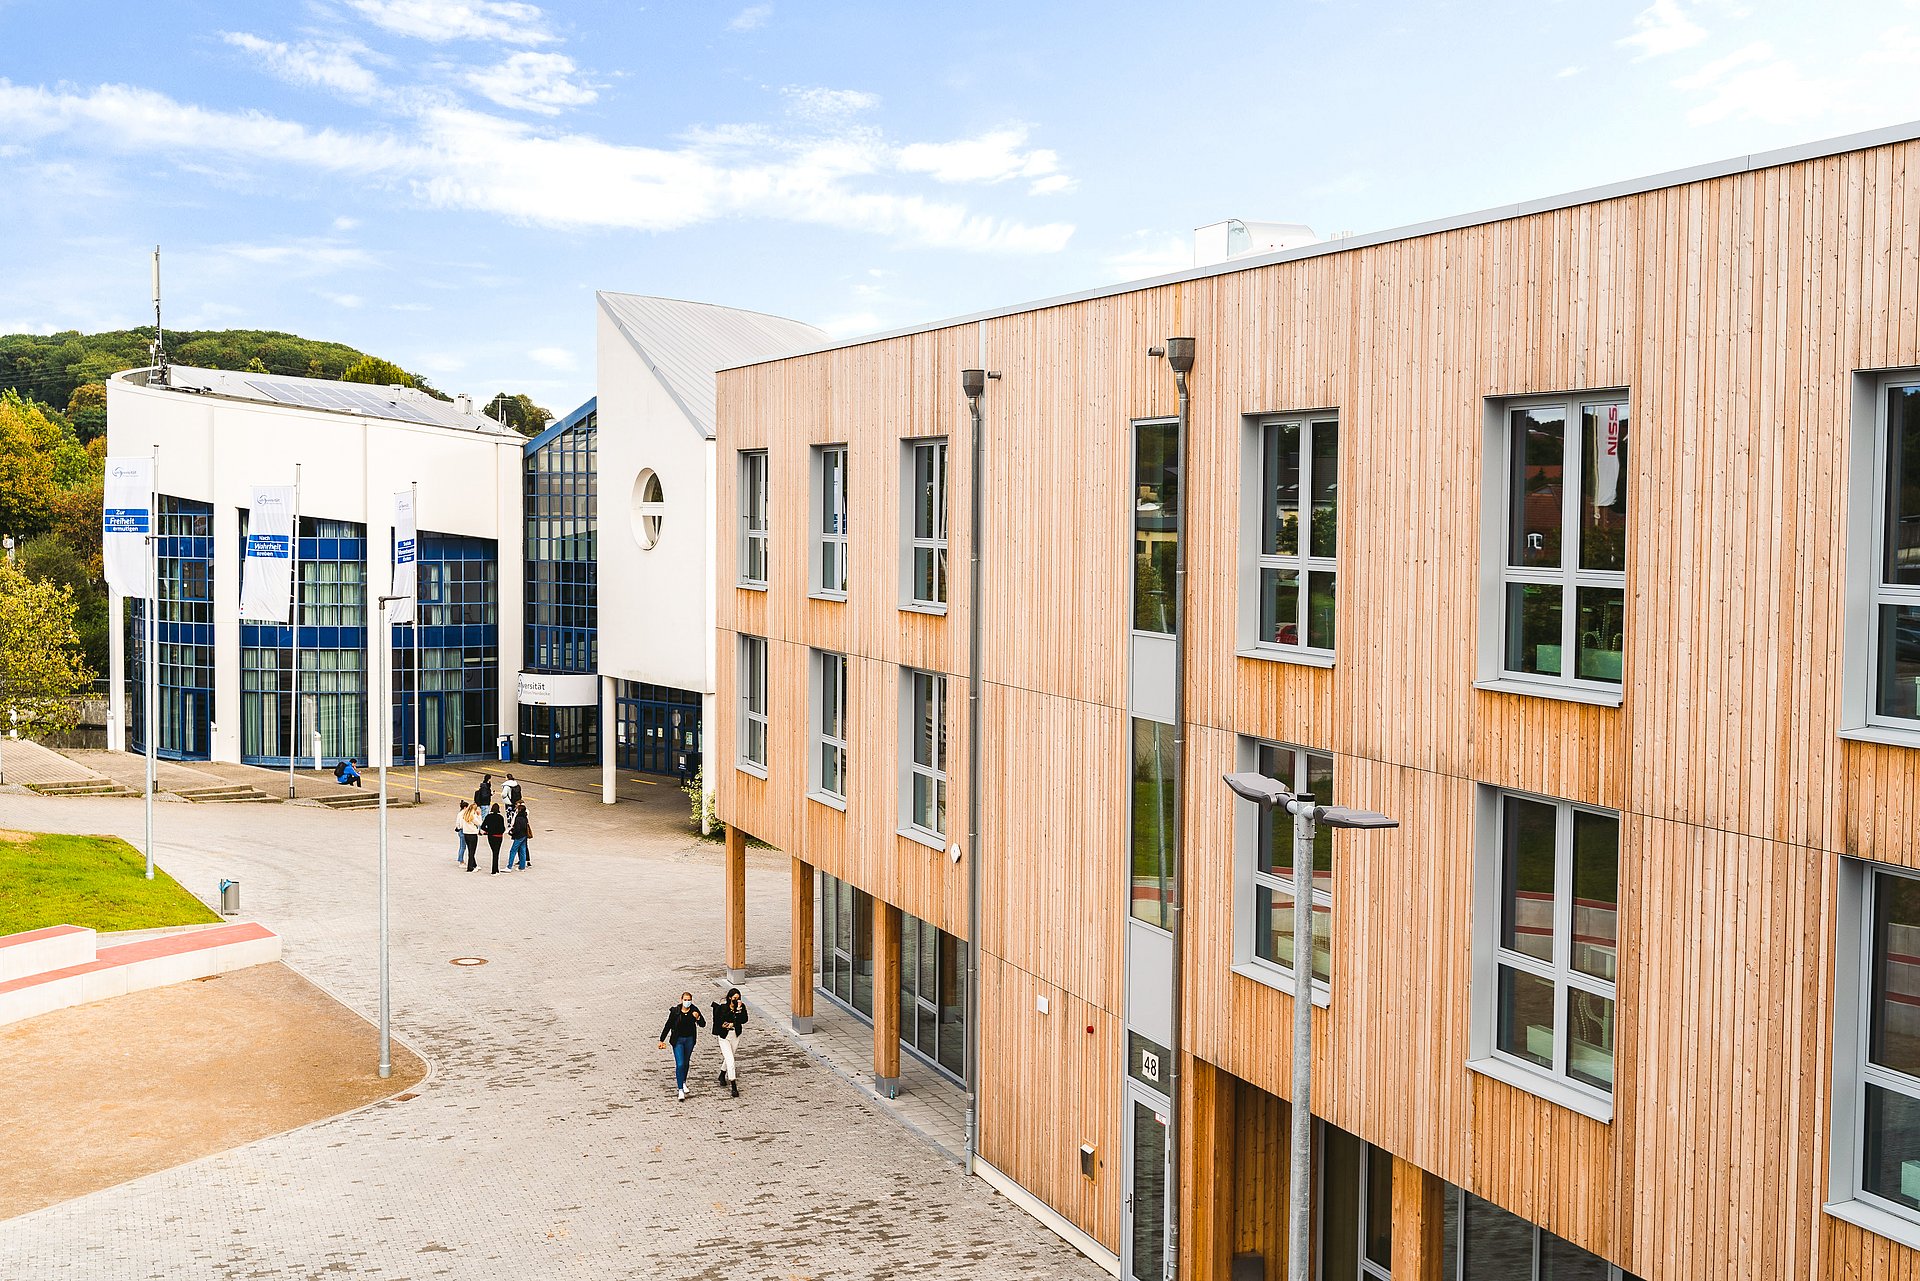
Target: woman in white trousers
[{"x": 729, "y": 1019}]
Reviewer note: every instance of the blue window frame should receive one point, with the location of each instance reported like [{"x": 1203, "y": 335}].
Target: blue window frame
[
  {"x": 561, "y": 513},
  {"x": 333, "y": 654},
  {"x": 185, "y": 640}
]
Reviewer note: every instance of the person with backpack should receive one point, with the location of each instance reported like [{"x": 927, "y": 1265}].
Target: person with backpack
[
  {"x": 521, "y": 830},
  {"x": 510, "y": 791},
  {"x": 345, "y": 774},
  {"x": 679, "y": 1032},
  {"x": 495, "y": 827},
  {"x": 729, "y": 1020},
  {"x": 483, "y": 794}
]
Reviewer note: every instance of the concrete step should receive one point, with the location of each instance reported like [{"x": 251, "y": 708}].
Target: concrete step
[
  {"x": 36, "y": 951},
  {"x": 133, "y": 967},
  {"x": 83, "y": 787},
  {"x": 224, "y": 795},
  {"x": 359, "y": 800}
]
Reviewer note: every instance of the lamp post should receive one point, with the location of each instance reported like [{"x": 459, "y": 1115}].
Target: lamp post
[
  {"x": 1270, "y": 795},
  {"x": 386, "y": 731}
]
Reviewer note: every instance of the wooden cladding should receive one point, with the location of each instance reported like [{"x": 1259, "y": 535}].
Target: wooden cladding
[{"x": 1733, "y": 312}]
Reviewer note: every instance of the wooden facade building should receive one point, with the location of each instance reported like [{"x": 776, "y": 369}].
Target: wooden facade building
[{"x": 1691, "y": 1065}]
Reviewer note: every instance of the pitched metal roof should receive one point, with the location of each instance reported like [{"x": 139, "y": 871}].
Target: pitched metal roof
[{"x": 686, "y": 343}]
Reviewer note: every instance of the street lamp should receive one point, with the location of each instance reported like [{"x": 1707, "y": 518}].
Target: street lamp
[
  {"x": 386, "y": 722},
  {"x": 1270, "y": 795}
]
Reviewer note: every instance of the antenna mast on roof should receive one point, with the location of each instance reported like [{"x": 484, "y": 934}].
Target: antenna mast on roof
[{"x": 157, "y": 350}]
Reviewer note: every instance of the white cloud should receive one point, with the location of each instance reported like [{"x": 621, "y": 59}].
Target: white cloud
[
  {"x": 1567, "y": 73},
  {"x": 552, "y": 357},
  {"x": 500, "y": 21},
  {"x": 344, "y": 223},
  {"x": 343, "y": 300},
  {"x": 827, "y": 104},
  {"x": 1710, "y": 73},
  {"x": 1662, "y": 27},
  {"x": 991, "y": 157},
  {"x": 751, "y": 18},
  {"x": 308, "y": 257},
  {"x": 322, "y": 66},
  {"x": 1150, "y": 253},
  {"x": 853, "y": 324},
  {"x": 409, "y": 306},
  {"x": 454, "y": 158},
  {"x": 538, "y": 82},
  {"x": 1051, "y": 185},
  {"x": 1753, "y": 84}
]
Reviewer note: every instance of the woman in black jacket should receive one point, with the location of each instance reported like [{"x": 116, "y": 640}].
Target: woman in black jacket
[
  {"x": 495, "y": 826},
  {"x": 729, "y": 1020},
  {"x": 681, "y": 1030}
]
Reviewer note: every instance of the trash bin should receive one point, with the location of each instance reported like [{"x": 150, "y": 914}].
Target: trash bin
[
  {"x": 506, "y": 747},
  {"x": 229, "y": 897}
]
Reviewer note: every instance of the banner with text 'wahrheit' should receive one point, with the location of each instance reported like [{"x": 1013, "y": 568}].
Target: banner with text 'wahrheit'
[
  {"x": 406, "y": 538},
  {"x": 126, "y": 518},
  {"x": 266, "y": 577}
]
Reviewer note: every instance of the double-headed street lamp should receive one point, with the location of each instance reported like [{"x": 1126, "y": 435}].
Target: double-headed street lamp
[{"x": 1270, "y": 795}]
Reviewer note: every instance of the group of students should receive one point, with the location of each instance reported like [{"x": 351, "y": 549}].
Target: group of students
[
  {"x": 483, "y": 816},
  {"x": 682, "y": 1029}
]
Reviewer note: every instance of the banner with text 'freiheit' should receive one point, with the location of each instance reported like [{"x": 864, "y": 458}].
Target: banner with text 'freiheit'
[
  {"x": 126, "y": 518},
  {"x": 266, "y": 578},
  {"x": 406, "y": 540}
]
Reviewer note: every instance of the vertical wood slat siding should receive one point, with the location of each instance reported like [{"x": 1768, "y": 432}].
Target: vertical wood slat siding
[{"x": 1734, "y": 311}]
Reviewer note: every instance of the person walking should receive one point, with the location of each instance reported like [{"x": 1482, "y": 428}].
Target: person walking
[
  {"x": 521, "y": 830},
  {"x": 679, "y": 1032},
  {"x": 729, "y": 1020},
  {"x": 470, "y": 831},
  {"x": 495, "y": 827},
  {"x": 510, "y": 791},
  {"x": 483, "y": 794}
]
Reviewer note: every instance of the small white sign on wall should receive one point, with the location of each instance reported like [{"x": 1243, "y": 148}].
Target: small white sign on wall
[{"x": 550, "y": 689}]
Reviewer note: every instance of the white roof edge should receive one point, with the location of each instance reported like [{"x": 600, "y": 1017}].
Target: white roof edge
[
  {"x": 506, "y": 436},
  {"x": 1794, "y": 154}
]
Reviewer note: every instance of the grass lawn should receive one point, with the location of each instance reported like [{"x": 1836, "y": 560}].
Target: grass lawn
[{"x": 96, "y": 881}]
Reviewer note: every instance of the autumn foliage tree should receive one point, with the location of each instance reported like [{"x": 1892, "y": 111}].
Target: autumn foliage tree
[{"x": 42, "y": 673}]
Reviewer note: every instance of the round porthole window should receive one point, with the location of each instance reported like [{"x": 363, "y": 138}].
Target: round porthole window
[{"x": 649, "y": 507}]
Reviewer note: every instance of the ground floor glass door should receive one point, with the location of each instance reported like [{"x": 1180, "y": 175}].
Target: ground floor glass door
[{"x": 1143, "y": 1244}]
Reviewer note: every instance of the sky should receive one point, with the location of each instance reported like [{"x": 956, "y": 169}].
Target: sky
[{"x": 445, "y": 183}]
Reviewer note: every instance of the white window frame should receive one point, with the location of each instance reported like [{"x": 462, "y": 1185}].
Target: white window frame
[
  {"x": 1254, "y": 501},
  {"x": 1866, "y": 588},
  {"x": 913, "y": 541},
  {"x": 935, "y": 772},
  {"x": 755, "y": 525},
  {"x": 828, "y": 671},
  {"x": 1361, "y": 1196},
  {"x": 829, "y": 521},
  {"x": 749, "y": 716},
  {"x": 1853, "y": 1070},
  {"x": 1497, "y": 575},
  {"x": 1248, "y": 879},
  {"x": 1456, "y": 1267},
  {"x": 1553, "y": 1084}
]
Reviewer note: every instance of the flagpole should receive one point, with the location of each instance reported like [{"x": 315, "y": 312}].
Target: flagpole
[
  {"x": 293, "y": 723},
  {"x": 386, "y": 697},
  {"x": 152, "y": 665},
  {"x": 419, "y": 748}
]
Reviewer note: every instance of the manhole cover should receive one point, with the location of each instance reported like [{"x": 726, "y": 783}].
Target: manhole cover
[{"x": 469, "y": 960}]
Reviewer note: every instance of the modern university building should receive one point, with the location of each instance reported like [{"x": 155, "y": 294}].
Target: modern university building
[
  {"x": 535, "y": 624},
  {"x": 1581, "y": 537}
]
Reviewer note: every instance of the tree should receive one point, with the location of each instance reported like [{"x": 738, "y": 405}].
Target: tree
[
  {"x": 37, "y": 456},
  {"x": 381, "y": 373},
  {"x": 519, "y": 412},
  {"x": 42, "y": 674},
  {"x": 87, "y": 411}
]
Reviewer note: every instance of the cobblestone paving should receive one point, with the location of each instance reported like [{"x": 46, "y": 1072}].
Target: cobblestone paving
[{"x": 547, "y": 1143}]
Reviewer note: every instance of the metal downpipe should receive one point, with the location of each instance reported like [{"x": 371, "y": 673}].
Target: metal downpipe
[
  {"x": 1180, "y": 357},
  {"x": 973, "y": 383}
]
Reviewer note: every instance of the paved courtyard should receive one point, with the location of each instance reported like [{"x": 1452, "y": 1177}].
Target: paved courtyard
[{"x": 546, "y": 1143}]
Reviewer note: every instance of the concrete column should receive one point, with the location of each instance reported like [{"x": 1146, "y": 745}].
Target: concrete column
[
  {"x": 117, "y": 673},
  {"x": 802, "y": 934},
  {"x": 609, "y": 742},
  {"x": 706, "y": 774},
  {"x": 1418, "y": 1199},
  {"x": 886, "y": 999},
  {"x": 736, "y": 880}
]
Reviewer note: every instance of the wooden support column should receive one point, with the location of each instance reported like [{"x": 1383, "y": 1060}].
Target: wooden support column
[
  {"x": 1417, "y": 1202},
  {"x": 802, "y": 999},
  {"x": 1206, "y": 1234},
  {"x": 736, "y": 876},
  {"x": 886, "y": 998}
]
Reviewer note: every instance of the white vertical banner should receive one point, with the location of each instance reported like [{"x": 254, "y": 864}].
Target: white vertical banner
[
  {"x": 266, "y": 577},
  {"x": 126, "y": 518},
  {"x": 1606, "y": 468},
  {"x": 406, "y": 550}
]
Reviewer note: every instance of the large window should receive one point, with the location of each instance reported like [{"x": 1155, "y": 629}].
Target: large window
[
  {"x": 1563, "y": 580},
  {"x": 1156, "y": 526},
  {"x": 561, "y": 524},
  {"x": 753, "y": 703},
  {"x": 1309, "y": 773},
  {"x": 846, "y": 944},
  {"x": 933, "y": 995},
  {"x": 459, "y": 635},
  {"x": 926, "y": 507},
  {"x": 1895, "y": 583},
  {"x": 753, "y": 518},
  {"x": 829, "y": 780},
  {"x": 1547, "y": 942},
  {"x": 1150, "y": 891},
  {"x": 1483, "y": 1241},
  {"x": 1356, "y": 1208},
  {"x": 925, "y": 726},
  {"x": 1876, "y": 1088},
  {"x": 830, "y": 521},
  {"x": 1299, "y": 486},
  {"x": 185, "y": 617}
]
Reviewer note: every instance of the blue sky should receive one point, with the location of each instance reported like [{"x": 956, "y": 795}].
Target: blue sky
[{"x": 446, "y": 182}]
